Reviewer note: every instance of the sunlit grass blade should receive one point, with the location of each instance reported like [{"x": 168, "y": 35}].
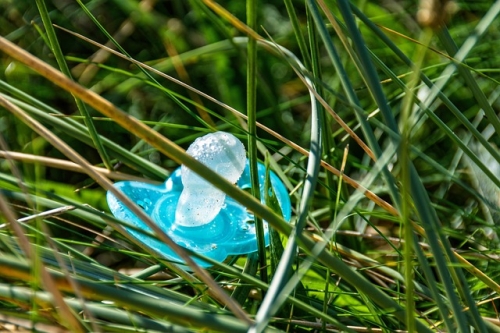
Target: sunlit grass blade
[
  {"x": 270, "y": 303},
  {"x": 27, "y": 296},
  {"x": 482, "y": 101},
  {"x": 326, "y": 139},
  {"x": 91, "y": 270}
]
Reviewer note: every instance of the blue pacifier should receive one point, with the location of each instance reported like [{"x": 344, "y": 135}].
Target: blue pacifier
[{"x": 194, "y": 213}]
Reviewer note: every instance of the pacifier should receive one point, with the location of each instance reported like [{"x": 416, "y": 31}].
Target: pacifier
[{"x": 194, "y": 213}]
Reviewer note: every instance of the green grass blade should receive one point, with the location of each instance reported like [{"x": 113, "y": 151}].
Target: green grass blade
[
  {"x": 325, "y": 123},
  {"x": 306, "y": 57},
  {"x": 369, "y": 73},
  {"x": 405, "y": 125},
  {"x": 56, "y": 49},
  {"x": 285, "y": 266},
  {"x": 252, "y": 132}
]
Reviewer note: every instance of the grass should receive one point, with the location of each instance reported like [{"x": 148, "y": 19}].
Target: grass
[{"x": 382, "y": 127}]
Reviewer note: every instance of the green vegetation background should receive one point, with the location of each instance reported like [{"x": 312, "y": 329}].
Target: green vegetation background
[{"x": 419, "y": 252}]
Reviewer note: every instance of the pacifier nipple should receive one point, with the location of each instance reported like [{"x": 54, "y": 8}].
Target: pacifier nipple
[{"x": 200, "y": 201}]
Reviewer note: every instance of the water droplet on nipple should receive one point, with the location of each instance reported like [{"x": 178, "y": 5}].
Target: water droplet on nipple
[{"x": 200, "y": 202}]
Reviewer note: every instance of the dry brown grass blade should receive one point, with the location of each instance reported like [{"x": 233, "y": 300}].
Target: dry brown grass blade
[
  {"x": 63, "y": 81},
  {"x": 66, "y": 165}
]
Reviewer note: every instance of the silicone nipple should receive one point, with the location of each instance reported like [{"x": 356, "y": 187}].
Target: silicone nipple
[{"x": 200, "y": 202}]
